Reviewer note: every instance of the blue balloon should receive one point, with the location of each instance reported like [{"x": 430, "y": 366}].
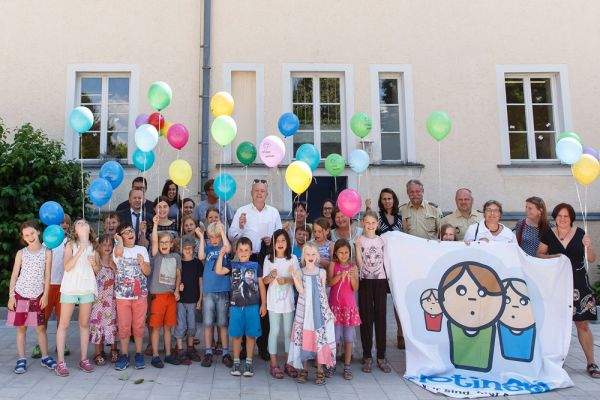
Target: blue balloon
[
  {"x": 100, "y": 191},
  {"x": 358, "y": 161},
  {"x": 51, "y": 213},
  {"x": 113, "y": 172},
  {"x": 143, "y": 160},
  {"x": 288, "y": 124},
  {"x": 309, "y": 154},
  {"x": 53, "y": 236},
  {"x": 568, "y": 150},
  {"x": 224, "y": 186},
  {"x": 81, "y": 119}
]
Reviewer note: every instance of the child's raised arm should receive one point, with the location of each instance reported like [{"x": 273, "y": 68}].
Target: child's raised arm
[
  {"x": 224, "y": 236},
  {"x": 219, "y": 268},
  {"x": 201, "y": 251},
  {"x": 296, "y": 278},
  {"x": 155, "y": 220},
  {"x": 13, "y": 280},
  {"x": 358, "y": 247},
  {"x": 118, "y": 250}
]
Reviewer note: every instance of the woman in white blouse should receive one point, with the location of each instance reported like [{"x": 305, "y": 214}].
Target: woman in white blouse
[{"x": 490, "y": 229}]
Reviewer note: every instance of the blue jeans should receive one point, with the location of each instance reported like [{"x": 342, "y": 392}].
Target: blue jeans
[{"x": 215, "y": 308}]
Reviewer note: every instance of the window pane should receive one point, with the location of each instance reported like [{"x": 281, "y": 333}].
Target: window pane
[
  {"x": 518, "y": 145},
  {"x": 330, "y": 90},
  {"x": 390, "y": 119},
  {"x": 117, "y": 144},
  {"x": 301, "y": 137},
  {"x": 388, "y": 91},
  {"x": 390, "y": 146},
  {"x": 90, "y": 145},
  {"x": 305, "y": 115},
  {"x": 541, "y": 91},
  {"x": 516, "y": 118},
  {"x": 542, "y": 118},
  {"x": 331, "y": 142},
  {"x": 302, "y": 90},
  {"x": 544, "y": 145},
  {"x": 96, "y": 125},
  {"x": 118, "y": 90},
  {"x": 514, "y": 91},
  {"x": 330, "y": 117},
  {"x": 91, "y": 90}
]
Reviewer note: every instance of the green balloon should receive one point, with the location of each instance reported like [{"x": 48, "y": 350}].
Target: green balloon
[
  {"x": 361, "y": 124},
  {"x": 571, "y": 135},
  {"x": 334, "y": 164},
  {"x": 438, "y": 125},
  {"x": 160, "y": 95},
  {"x": 246, "y": 153},
  {"x": 223, "y": 129}
]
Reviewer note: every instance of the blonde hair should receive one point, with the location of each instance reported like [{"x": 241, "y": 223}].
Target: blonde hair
[
  {"x": 164, "y": 234},
  {"x": 212, "y": 229},
  {"x": 312, "y": 246}
]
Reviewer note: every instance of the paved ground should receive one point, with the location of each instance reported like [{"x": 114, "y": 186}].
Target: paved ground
[{"x": 215, "y": 383}]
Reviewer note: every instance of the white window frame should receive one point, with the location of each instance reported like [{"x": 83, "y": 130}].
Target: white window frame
[
  {"x": 403, "y": 73},
  {"x": 561, "y": 105},
  {"x": 74, "y": 73}
]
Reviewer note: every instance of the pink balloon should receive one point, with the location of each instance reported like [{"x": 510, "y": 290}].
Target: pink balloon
[
  {"x": 349, "y": 202},
  {"x": 178, "y": 136},
  {"x": 141, "y": 120},
  {"x": 271, "y": 151}
]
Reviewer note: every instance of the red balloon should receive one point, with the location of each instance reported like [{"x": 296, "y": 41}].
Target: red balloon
[{"x": 156, "y": 120}]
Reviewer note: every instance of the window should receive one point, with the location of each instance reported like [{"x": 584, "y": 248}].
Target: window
[
  {"x": 389, "y": 116},
  {"x": 532, "y": 117},
  {"x": 317, "y": 101},
  {"x": 107, "y": 96}
]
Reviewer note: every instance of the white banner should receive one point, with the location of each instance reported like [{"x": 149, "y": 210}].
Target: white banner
[{"x": 480, "y": 320}]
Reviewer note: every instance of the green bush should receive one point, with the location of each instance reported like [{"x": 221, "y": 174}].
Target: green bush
[{"x": 33, "y": 170}]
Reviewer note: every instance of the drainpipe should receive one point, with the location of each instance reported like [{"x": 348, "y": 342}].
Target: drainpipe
[{"x": 205, "y": 98}]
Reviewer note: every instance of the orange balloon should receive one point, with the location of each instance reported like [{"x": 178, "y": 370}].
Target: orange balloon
[{"x": 165, "y": 129}]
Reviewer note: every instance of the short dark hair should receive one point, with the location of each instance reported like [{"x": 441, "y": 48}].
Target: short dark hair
[
  {"x": 122, "y": 226},
  {"x": 212, "y": 209},
  {"x": 569, "y": 209},
  {"x": 208, "y": 184},
  {"x": 243, "y": 241},
  {"x": 494, "y": 202},
  {"x": 161, "y": 198},
  {"x": 188, "y": 199},
  {"x": 327, "y": 201},
  {"x": 299, "y": 204},
  {"x": 111, "y": 215},
  {"x": 140, "y": 179}
]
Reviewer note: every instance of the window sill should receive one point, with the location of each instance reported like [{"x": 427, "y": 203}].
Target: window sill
[
  {"x": 379, "y": 164},
  {"x": 98, "y": 164},
  {"x": 534, "y": 169}
]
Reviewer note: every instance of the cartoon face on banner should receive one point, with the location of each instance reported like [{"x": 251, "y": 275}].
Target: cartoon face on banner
[
  {"x": 516, "y": 328},
  {"x": 433, "y": 311}
]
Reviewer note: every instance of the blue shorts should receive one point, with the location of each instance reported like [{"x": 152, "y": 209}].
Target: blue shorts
[
  {"x": 215, "y": 308},
  {"x": 244, "y": 321}
]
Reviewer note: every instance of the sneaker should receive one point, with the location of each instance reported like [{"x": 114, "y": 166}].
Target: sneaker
[
  {"x": 67, "y": 351},
  {"x": 207, "y": 360},
  {"x": 49, "y": 363},
  {"x": 171, "y": 359},
  {"x": 249, "y": 371},
  {"x": 139, "y": 361},
  {"x": 36, "y": 353},
  {"x": 227, "y": 360},
  {"x": 236, "y": 370},
  {"x": 157, "y": 362},
  {"x": 86, "y": 366},
  {"x": 61, "y": 369},
  {"x": 122, "y": 363},
  {"x": 193, "y": 355},
  {"x": 21, "y": 366}
]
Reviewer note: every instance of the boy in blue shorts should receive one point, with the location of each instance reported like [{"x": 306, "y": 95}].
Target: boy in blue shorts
[{"x": 248, "y": 302}]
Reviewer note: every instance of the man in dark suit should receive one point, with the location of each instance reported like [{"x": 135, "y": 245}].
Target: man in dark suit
[
  {"x": 139, "y": 183},
  {"x": 136, "y": 216}
]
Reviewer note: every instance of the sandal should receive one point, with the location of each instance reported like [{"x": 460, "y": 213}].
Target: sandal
[
  {"x": 114, "y": 356},
  {"x": 384, "y": 366},
  {"x": 99, "y": 359},
  {"x": 290, "y": 371},
  {"x": 329, "y": 371},
  {"x": 593, "y": 370},
  {"x": 320, "y": 379},
  {"x": 347, "y": 373},
  {"x": 276, "y": 372},
  {"x": 302, "y": 376},
  {"x": 367, "y": 365}
]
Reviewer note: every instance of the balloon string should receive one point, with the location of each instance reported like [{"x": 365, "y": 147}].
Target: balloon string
[
  {"x": 181, "y": 223},
  {"x": 245, "y": 182},
  {"x": 98, "y": 223},
  {"x": 358, "y": 188},
  {"x": 439, "y": 171},
  {"x": 220, "y": 172},
  {"x": 335, "y": 186},
  {"x": 583, "y": 212},
  {"x": 585, "y": 227}
]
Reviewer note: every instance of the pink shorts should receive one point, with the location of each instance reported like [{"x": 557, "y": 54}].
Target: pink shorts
[{"x": 131, "y": 317}]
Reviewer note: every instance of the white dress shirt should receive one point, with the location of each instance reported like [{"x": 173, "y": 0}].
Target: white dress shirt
[
  {"x": 479, "y": 231},
  {"x": 258, "y": 224}
]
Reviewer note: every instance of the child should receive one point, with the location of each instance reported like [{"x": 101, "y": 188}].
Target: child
[
  {"x": 214, "y": 215},
  {"x": 103, "y": 319},
  {"x": 280, "y": 298},
  {"x": 310, "y": 282},
  {"x": 133, "y": 264},
  {"x": 302, "y": 235},
  {"x": 247, "y": 291},
  {"x": 110, "y": 223},
  {"x": 215, "y": 293},
  {"x": 191, "y": 228},
  {"x": 321, "y": 228},
  {"x": 343, "y": 279},
  {"x": 28, "y": 293},
  {"x": 78, "y": 287},
  {"x": 448, "y": 233},
  {"x": 164, "y": 286},
  {"x": 372, "y": 294},
  {"x": 190, "y": 300}
]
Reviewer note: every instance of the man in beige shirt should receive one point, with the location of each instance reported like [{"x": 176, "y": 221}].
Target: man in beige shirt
[
  {"x": 420, "y": 217},
  {"x": 464, "y": 215}
]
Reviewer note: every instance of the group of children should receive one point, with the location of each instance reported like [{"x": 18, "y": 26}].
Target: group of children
[{"x": 307, "y": 288}]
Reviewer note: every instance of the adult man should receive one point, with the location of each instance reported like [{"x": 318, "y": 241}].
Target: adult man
[
  {"x": 212, "y": 201},
  {"x": 133, "y": 215},
  {"x": 464, "y": 215},
  {"x": 257, "y": 221},
  {"x": 139, "y": 183},
  {"x": 419, "y": 217}
]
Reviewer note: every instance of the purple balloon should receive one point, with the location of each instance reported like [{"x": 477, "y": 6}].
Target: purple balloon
[
  {"x": 590, "y": 151},
  {"x": 141, "y": 120}
]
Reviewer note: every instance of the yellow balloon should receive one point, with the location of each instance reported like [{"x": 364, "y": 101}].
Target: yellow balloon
[
  {"x": 586, "y": 170},
  {"x": 221, "y": 104},
  {"x": 180, "y": 172},
  {"x": 163, "y": 131},
  {"x": 298, "y": 176}
]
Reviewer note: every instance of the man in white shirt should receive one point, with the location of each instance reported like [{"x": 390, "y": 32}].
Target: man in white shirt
[{"x": 136, "y": 216}]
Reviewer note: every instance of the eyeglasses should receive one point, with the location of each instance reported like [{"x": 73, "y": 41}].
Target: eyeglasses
[
  {"x": 492, "y": 210},
  {"x": 260, "y": 181},
  {"x": 129, "y": 230}
]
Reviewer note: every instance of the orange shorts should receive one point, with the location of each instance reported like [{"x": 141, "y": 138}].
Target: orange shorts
[{"x": 163, "y": 310}]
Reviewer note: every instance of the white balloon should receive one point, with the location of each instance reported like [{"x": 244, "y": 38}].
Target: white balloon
[{"x": 146, "y": 137}]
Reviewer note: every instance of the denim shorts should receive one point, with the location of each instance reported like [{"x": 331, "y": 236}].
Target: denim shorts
[
  {"x": 215, "y": 309},
  {"x": 77, "y": 299},
  {"x": 245, "y": 321}
]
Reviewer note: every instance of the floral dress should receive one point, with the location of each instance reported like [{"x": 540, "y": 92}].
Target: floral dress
[
  {"x": 341, "y": 299},
  {"x": 103, "y": 318}
]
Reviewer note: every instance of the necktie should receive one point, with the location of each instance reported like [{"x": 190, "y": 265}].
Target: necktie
[{"x": 136, "y": 224}]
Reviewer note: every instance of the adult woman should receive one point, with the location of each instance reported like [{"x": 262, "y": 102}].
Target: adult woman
[
  {"x": 188, "y": 207},
  {"x": 389, "y": 211},
  {"x": 171, "y": 192},
  {"x": 490, "y": 229},
  {"x": 575, "y": 244},
  {"x": 300, "y": 213},
  {"x": 327, "y": 208},
  {"x": 345, "y": 229},
  {"x": 165, "y": 224},
  {"x": 530, "y": 229}
]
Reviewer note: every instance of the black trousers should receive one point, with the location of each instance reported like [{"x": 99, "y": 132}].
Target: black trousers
[
  {"x": 262, "y": 342},
  {"x": 372, "y": 305}
]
